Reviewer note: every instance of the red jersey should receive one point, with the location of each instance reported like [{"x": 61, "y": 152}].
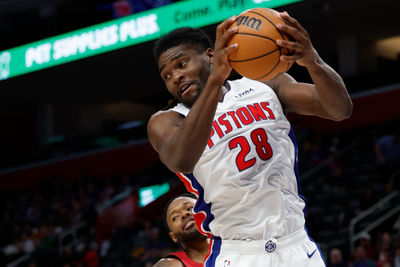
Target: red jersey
[{"x": 184, "y": 258}]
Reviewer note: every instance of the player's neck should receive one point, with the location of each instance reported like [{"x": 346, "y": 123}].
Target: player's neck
[{"x": 197, "y": 249}]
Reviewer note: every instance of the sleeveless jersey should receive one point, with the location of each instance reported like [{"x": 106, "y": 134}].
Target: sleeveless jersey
[
  {"x": 247, "y": 179},
  {"x": 184, "y": 258}
]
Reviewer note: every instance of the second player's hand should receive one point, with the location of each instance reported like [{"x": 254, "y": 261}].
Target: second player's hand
[
  {"x": 221, "y": 67},
  {"x": 303, "y": 53}
]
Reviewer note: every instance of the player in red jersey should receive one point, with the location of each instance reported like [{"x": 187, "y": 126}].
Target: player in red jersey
[{"x": 179, "y": 221}]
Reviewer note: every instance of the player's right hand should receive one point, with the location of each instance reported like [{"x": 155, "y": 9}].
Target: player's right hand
[{"x": 221, "y": 67}]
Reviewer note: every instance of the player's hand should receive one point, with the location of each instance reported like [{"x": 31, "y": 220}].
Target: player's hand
[
  {"x": 221, "y": 67},
  {"x": 303, "y": 52}
]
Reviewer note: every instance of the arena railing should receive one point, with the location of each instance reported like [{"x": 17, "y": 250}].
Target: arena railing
[
  {"x": 390, "y": 203},
  {"x": 75, "y": 238}
]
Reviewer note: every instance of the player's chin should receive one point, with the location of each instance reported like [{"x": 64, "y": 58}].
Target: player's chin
[
  {"x": 190, "y": 234},
  {"x": 190, "y": 100}
]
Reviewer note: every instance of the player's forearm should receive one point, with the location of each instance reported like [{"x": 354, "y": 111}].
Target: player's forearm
[
  {"x": 190, "y": 139},
  {"x": 332, "y": 92}
]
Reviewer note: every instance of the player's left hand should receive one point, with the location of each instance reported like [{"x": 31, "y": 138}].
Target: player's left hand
[{"x": 303, "y": 52}]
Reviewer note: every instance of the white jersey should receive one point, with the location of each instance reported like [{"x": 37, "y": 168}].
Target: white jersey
[{"x": 246, "y": 179}]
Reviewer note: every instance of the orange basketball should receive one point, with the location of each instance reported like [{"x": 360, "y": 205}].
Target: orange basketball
[{"x": 257, "y": 56}]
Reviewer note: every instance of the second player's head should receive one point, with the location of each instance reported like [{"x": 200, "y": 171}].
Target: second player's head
[
  {"x": 178, "y": 218},
  {"x": 184, "y": 57}
]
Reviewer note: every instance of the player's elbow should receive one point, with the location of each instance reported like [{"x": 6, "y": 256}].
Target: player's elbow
[
  {"x": 184, "y": 166},
  {"x": 345, "y": 113},
  {"x": 179, "y": 164}
]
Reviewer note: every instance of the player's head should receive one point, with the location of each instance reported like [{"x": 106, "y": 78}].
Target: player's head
[
  {"x": 178, "y": 218},
  {"x": 184, "y": 57}
]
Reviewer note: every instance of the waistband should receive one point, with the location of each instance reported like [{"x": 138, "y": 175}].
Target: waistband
[{"x": 264, "y": 246}]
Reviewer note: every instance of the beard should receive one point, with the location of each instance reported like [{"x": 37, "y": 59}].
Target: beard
[
  {"x": 189, "y": 235},
  {"x": 189, "y": 103},
  {"x": 200, "y": 83}
]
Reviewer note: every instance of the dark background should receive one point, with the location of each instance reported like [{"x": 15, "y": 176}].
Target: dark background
[
  {"x": 81, "y": 98},
  {"x": 73, "y": 133}
]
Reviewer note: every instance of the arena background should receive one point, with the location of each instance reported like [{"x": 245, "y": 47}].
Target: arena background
[{"x": 75, "y": 160}]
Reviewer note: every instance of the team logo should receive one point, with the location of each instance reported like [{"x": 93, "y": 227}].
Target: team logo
[
  {"x": 270, "y": 246},
  {"x": 227, "y": 263},
  {"x": 310, "y": 255}
]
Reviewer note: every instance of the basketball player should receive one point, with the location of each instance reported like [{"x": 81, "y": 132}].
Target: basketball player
[
  {"x": 178, "y": 220},
  {"x": 232, "y": 145}
]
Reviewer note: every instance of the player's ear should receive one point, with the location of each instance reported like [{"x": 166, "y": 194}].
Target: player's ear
[
  {"x": 173, "y": 237},
  {"x": 210, "y": 55}
]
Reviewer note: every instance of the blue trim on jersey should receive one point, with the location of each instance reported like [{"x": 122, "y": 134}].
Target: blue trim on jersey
[
  {"x": 201, "y": 205},
  {"x": 319, "y": 249},
  {"x": 296, "y": 169},
  {"x": 215, "y": 250}
]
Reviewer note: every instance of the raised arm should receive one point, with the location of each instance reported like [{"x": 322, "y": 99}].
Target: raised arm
[
  {"x": 181, "y": 141},
  {"x": 328, "y": 96}
]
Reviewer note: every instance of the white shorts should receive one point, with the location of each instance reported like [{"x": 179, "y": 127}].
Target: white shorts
[{"x": 294, "y": 250}]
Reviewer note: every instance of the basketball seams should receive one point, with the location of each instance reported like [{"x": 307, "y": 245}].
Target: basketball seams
[
  {"x": 253, "y": 58},
  {"x": 273, "y": 24},
  {"x": 270, "y": 58},
  {"x": 268, "y": 73},
  {"x": 258, "y": 35},
  {"x": 261, "y": 15}
]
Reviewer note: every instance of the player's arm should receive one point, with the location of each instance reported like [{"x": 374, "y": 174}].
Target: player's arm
[
  {"x": 168, "y": 262},
  {"x": 181, "y": 141},
  {"x": 328, "y": 96}
]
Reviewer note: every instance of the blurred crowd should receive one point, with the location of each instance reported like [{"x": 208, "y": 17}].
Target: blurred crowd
[
  {"x": 34, "y": 221},
  {"x": 381, "y": 251}
]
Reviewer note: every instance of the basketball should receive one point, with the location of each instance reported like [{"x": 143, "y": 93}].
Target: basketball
[{"x": 257, "y": 56}]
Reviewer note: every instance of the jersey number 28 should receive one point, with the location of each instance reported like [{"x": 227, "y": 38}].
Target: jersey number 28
[{"x": 259, "y": 138}]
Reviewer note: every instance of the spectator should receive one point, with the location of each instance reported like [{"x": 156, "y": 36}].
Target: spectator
[
  {"x": 384, "y": 259},
  {"x": 91, "y": 257},
  {"x": 370, "y": 250},
  {"x": 361, "y": 259},
  {"x": 336, "y": 258},
  {"x": 12, "y": 249},
  {"x": 396, "y": 259},
  {"x": 385, "y": 243},
  {"x": 387, "y": 149},
  {"x": 27, "y": 243}
]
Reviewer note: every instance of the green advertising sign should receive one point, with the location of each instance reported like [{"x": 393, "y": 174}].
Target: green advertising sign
[
  {"x": 150, "y": 193},
  {"x": 123, "y": 32}
]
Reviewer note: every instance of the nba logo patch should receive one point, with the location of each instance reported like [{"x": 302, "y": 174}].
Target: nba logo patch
[
  {"x": 270, "y": 246},
  {"x": 227, "y": 263}
]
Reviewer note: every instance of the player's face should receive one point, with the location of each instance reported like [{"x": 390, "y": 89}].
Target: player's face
[
  {"x": 185, "y": 71},
  {"x": 180, "y": 220}
]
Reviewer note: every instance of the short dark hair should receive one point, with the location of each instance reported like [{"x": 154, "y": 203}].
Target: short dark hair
[
  {"x": 185, "y": 35},
  {"x": 164, "y": 215}
]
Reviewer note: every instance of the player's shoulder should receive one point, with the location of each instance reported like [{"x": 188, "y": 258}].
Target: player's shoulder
[
  {"x": 280, "y": 81},
  {"x": 163, "y": 120},
  {"x": 245, "y": 82},
  {"x": 164, "y": 113},
  {"x": 164, "y": 116},
  {"x": 168, "y": 262}
]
